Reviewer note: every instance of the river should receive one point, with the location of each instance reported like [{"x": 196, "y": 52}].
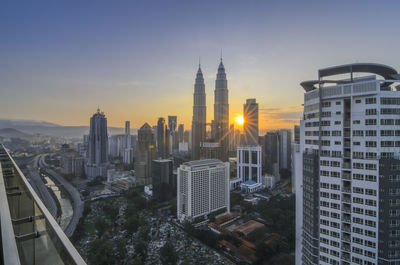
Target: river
[{"x": 65, "y": 203}]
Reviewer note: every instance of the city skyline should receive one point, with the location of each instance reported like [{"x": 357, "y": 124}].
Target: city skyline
[{"x": 68, "y": 59}]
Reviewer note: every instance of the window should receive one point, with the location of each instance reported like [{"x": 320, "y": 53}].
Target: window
[
  {"x": 370, "y": 101},
  {"x": 390, "y": 111},
  {"x": 387, "y": 133},
  {"x": 370, "y": 122},
  {"x": 358, "y": 101},
  {"x": 370, "y": 155},
  {"x": 387, "y": 122},
  {"x": 390, "y": 101},
  {"x": 338, "y": 103},
  {"x": 370, "y": 133},
  {"x": 387, "y": 144},
  {"x": 338, "y": 122},
  {"x": 358, "y": 176},
  {"x": 370, "y": 144},
  {"x": 370, "y": 112},
  {"x": 326, "y": 104},
  {"x": 358, "y": 133},
  {"x": 370, "y": 166},
  {"x": 356, "y": 122}
]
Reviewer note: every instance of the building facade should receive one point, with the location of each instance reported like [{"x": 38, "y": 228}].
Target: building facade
[
  {"x": 199, "y": 115},
  {"x": 164, "y": 184},
  {"x": 350, "y": 157},
  {"x": 202, "y": 189},
  {"x": 250, "y": 125},
  {"x": 98, "y": 145},
  {"x": 220, "y": 124},
  {"x": 146, "y": 152},
  {"x": 249, "y": 170}
]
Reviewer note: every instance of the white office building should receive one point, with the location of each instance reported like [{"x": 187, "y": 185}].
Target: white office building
[
  {"x": 249, "y": 168},
  {"x": 202, "y": 188},
  {"x": 350, "y": 145}
]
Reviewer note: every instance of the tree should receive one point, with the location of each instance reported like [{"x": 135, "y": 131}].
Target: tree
[
  {"x": 101, "y": 226},
  {"x": 263, "y": 252},
  {"x": 100, "y": 253},
  {"x": 141, "y": 250},
  {"x": 132, "y": 224},
  {"x": 168, "y": 254},
  {"x": 284, "y": 259}
]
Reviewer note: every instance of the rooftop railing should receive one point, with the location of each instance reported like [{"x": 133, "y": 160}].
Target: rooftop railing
[{"x": 29, "y": 233}]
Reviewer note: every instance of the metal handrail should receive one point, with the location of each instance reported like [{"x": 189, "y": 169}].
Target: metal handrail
[
  {"x": 63, "y": 239},
  {"x": 9, "y": 248}
]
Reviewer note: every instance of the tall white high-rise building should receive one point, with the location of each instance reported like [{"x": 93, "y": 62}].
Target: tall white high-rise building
[
  {"x": 98, "y": 144},
  {"x": 202, "y": 188},
  {"x": 350, "y": 181}
]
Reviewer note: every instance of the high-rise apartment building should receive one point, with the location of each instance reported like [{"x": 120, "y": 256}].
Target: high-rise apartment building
[
  {"x": 250, "y": 126},
  {"x": 146, "y": 152},
  {"x": 162, "y": 138},
  {"x": 128, "y": 151},
  {"x": 221, "y": 112},
  {"x": 199, "y": 115},
  {"x": 350, "y": 184},
  {"x": 202, "y": 188},
  {"x": 98, "y": 144}
]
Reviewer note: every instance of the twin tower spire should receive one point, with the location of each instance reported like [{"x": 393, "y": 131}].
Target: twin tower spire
[{"x": 220, "y": 124}]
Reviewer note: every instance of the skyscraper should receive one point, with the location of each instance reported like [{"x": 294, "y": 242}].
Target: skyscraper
[
  {"x": 221, "y": 112},
  {"x": 250, "y": 126},
  {"x": 199, "y": 115},
  {"x": 350, "y": 184},
  {"x": 127, "y": 128},
  {"x": 181, "y": 131},
  {"x": 127, "y": 155},
  {"x": 172, "y": 123},
  {"x": 162, "y": 138},
  {"x": 146, "y": 152},
  {"x": 98, "y": 144},
  {"x": 173, "y": 134}
]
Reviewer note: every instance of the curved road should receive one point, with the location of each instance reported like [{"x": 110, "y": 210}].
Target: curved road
[
  {"x": 73, "y": 192},
  {"x": 43, "y": 192}
]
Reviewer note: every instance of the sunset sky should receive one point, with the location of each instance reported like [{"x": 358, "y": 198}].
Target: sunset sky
[{"x": 137, "y": 60}]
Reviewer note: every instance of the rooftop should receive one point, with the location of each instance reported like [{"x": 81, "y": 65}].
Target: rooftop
[
  {"x": 202, "y": 163},
  {"x": 387, "y": 72}
]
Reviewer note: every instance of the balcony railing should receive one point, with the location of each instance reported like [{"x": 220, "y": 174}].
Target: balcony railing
[{"x": 29, "y": 233}]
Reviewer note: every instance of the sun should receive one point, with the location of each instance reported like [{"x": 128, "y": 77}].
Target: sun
[{"x": 240, "y": 120}]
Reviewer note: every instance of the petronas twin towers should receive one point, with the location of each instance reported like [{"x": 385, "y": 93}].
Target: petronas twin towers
[{"x": 220, "y": 124}]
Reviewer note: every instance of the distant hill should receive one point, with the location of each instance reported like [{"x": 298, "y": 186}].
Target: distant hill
[
  {"x": 12, "y": 123},
  {"x": 13, "y": 133},
  {"x": 52, "y": 129}
]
